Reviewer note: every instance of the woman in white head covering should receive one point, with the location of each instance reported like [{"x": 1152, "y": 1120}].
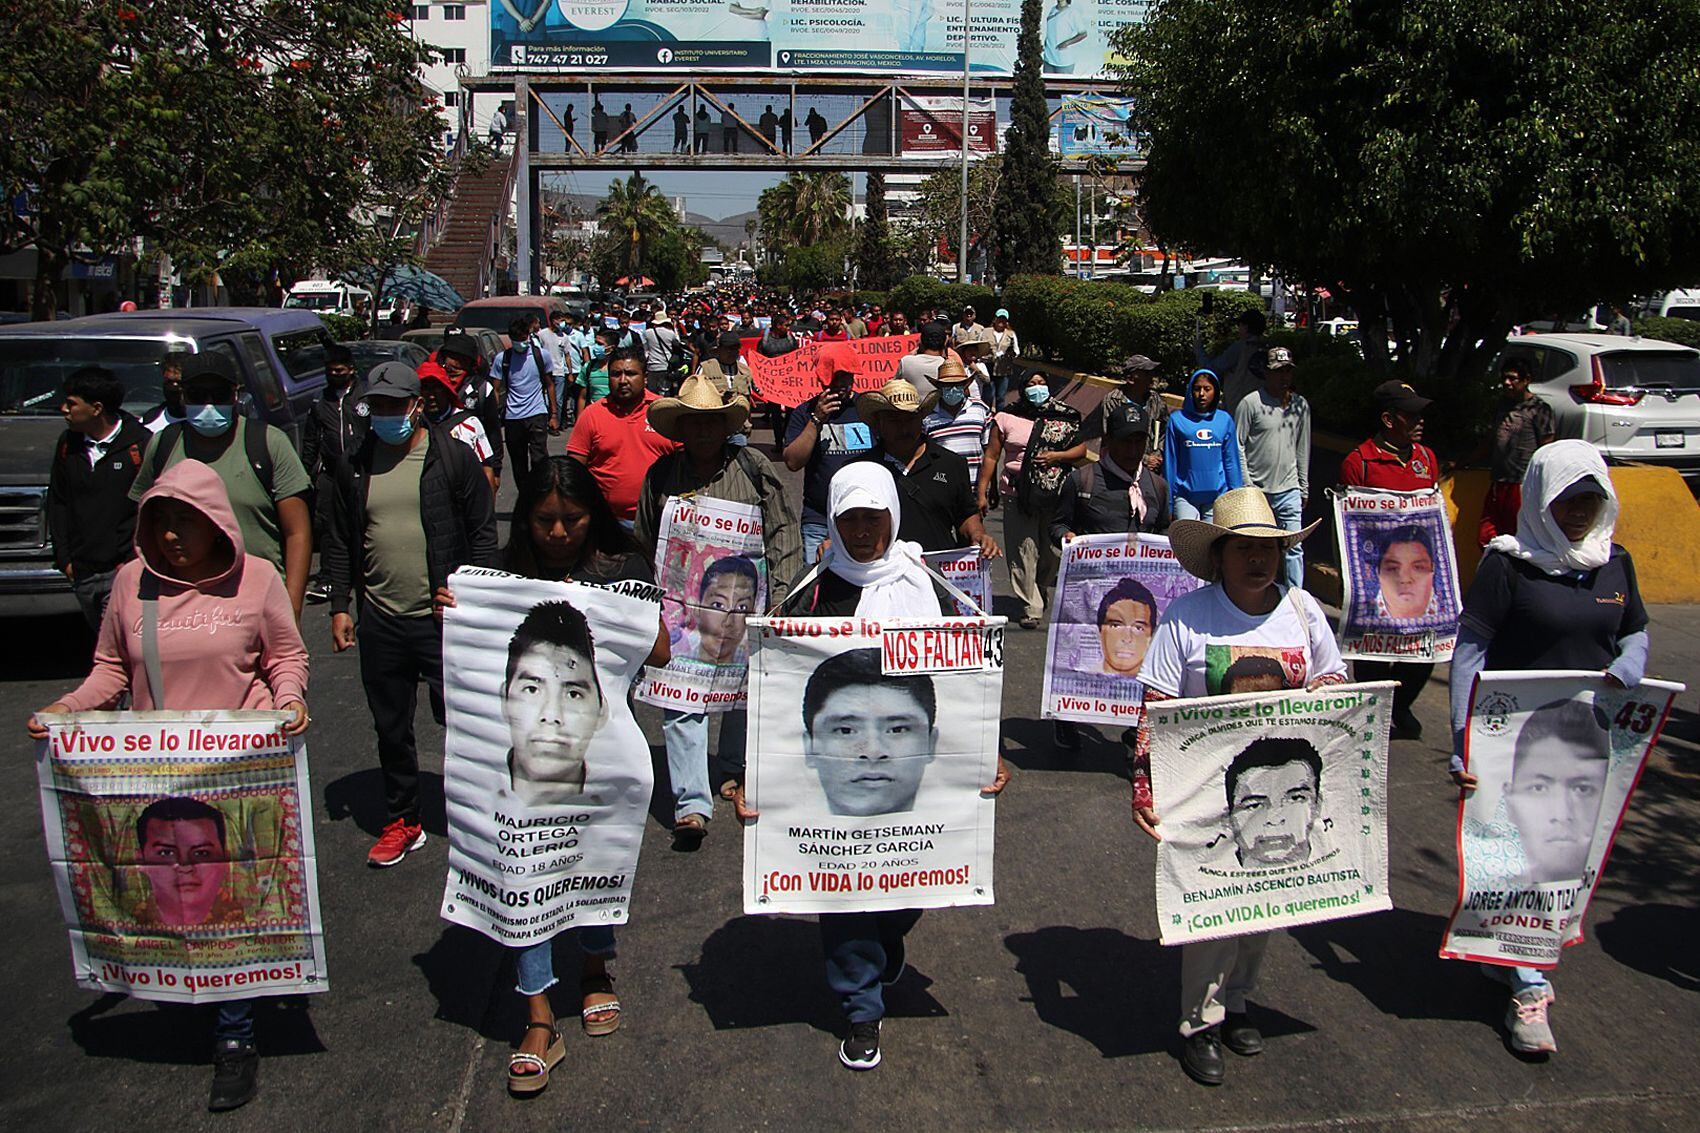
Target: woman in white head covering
[
  {"x": 1559, "y": 594},
  {"x": 866, "y": 572}
]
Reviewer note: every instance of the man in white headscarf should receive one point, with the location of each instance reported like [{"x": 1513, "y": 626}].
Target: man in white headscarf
[{"x": 1559, "y": 594}]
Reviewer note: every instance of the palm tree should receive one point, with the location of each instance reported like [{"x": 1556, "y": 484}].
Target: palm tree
[
  {"x": 811, "y": 207},
  {"x": 636, "y": 214}
]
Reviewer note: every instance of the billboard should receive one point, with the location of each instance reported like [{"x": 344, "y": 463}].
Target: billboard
[
  {"x": 868, "y": 36},
  {"x": 1092, "y": 124},
  {"x": 932, "y": 126}
]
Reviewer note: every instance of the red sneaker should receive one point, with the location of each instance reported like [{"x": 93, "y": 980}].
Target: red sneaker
[{"x": 399, "y": 839}]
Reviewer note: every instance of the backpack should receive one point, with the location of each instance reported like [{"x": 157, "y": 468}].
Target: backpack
[
  {"x": 253, "y": 438},
  {"x": 507, "y": 363}
]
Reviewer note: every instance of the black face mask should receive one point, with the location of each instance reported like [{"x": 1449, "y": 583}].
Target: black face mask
[{"x": 339, "y": 381}]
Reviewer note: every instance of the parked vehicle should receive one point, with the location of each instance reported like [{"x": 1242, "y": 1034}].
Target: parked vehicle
[
  {"x": 280, "y": 355},
  {"x": 1636, "y": 399},
  {"x": 371, "y": 353},
  {"x": 327, "y": 297},
  {"x": 1683, "y": 303},
  {"x": 495, "y": 314}
]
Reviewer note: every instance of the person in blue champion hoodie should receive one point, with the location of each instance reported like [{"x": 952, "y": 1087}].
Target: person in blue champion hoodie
[{"x": 1200, "y": 451}]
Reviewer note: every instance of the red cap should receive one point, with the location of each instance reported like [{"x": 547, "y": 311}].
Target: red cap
[{"x": 432, "y": 372}]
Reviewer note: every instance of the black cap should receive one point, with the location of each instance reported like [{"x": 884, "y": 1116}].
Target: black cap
[
  {"x": 934, "y": 335},
  {"x": 462, "y": 346},
  {"x": 730, "y": 341},
  {"x": 213, "y": 365},
  {"x": 393, "y": 379},
  {"x": 1401, "y": 398},
  {"x": 1126, "y": 420},
  {"x": 1136, "y": 364}
]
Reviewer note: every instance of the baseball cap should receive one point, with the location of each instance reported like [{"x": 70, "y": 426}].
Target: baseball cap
[
  {"x": 729, "y": 340},
  {"x": 1126, "y": 420},
  {"x": 393, "y": 379},
  {"x": 1136, "y": 364},
  {"x": 1400, "y": 397},
  {"x": 1280, "y": 358},
  {"x": 1001, "y": 313},
  {"x": 211, "y": 366}
]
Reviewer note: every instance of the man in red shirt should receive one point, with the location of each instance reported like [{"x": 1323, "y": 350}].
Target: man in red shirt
[
  {"x": 1393, "y": 459},
  {"x": 613, "y": 438},
  {"x": 834, "y": 330}
]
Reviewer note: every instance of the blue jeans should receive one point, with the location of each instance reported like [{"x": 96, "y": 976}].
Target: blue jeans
[
  {"x": 686, "y": 734},
  {"x": 534, "y": 964},
  {"x": 814, "y": 534},
  {"x": 1289, "y": 509},
  {"x": 855, "y": 947},
  {"x": 1186, "y": 509},
  {"x": 235, "y": 1022},
  {"x": 1517, "y": 979}
]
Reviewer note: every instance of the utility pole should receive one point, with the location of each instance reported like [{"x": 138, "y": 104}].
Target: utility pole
[
  {"x": 1077, "y": 226},
  {"x": 962, "y": 233}
]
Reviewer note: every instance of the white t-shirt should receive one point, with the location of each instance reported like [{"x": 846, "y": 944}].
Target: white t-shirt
[{"x": 1203, "y": 637}]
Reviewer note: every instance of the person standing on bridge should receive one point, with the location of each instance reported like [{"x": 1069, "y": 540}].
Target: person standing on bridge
[
  {"x": 598, "y": 125},
  {"x": 769, "y": 124},
  {"x": 816, "y": 125},
  {"x": 681, "y": 128},
  {"x": 787, "y": 121},
  {"x": 728, "y": 130},
  {"x": 702, "y": 125},
  {"x": 628, "y": 131}
]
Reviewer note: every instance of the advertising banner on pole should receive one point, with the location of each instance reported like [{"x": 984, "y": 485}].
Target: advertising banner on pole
[
  {"x": 931, "y": 126},
  {"x": 711, "y": 565},
  {"x": 1556, "y": 756},
  {"x": 1089, "y": 125},
  {"x": 1402, "y": 599},
  {"x": 792, "y": 379},
  {"x": 182, "y": 849},
  {"x": 546, "y": 773},
  {"x": 869, "y": 745},
  {"x": 1112, "y": 592},
  {"x": 865, "y": 36},
  {"x": 1273, "y": 808}
]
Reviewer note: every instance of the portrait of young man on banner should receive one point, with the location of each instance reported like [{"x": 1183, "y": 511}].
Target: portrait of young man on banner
[
  {"x": 1400, "y": 579},
  {"x": 1111, "y": 594},
  {"x": 1555, "y": 758},
  {"x": 1274, "y": 808},
  {"x": 547, "y": 776}
]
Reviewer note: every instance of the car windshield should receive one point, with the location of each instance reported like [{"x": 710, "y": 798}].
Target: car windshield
[
  {"x": 1649, "y": 369},
  {"x": 492, "y": 318},
  {"x": 317, "y": 301},
  {"x": 1691, "y": 313},
  {"x": 33, "y": 370}
]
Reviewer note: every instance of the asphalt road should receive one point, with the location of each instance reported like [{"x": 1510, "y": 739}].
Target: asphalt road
[{"x": 1054, "y": 1008}]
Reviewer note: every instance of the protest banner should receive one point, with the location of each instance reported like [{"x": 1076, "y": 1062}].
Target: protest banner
[
  {"x": 1556, "y": 756},
  {"x": 792, "y": 379},
  {"x": 1273, "y": 808},
  {"x": 547, "y": 776},
  {"x": 711, "y": 565},
  {"x": 970, "y": 573},
  {"x": 1401, "y": 581},
  {"x": 1112, "y": 591},
  {"x": 182, "y": 849},
  {"x": 869, "y": 744}
]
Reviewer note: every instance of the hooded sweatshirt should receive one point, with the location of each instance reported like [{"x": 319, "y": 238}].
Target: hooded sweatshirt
[
  {"x": 225, "y": 642},
  {"x": 1201, "y": 452}
]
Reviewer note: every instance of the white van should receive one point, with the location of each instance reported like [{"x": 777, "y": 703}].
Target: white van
[
  {"x": 1683, "y": 303},
  {"x": 327, "y": 296}
]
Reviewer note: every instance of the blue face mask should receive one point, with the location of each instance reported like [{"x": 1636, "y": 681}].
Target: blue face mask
[
  {"x": 952, "y": 395},
  {"x": 392, "y": 430},
  {"x": 210, "y": 420},
  {"x": 1038, "y": 395}
]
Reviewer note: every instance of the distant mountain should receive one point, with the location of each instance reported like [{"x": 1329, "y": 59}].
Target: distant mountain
[{"x": 729, "y": 230}]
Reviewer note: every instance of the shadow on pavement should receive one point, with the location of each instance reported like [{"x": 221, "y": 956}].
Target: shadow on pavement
[
  {"x": 1393, "y": 960},
  {"x": 1655, "y": 939},
  {"x": 60, "y": 649},
  {"x": 768, "y": 971},
  {"x": 1030, "y": 745},
  {"x": 360, "y": 796},
  {"x": 462, "y": 970},
  {"x": 1113, "y": 990},
  {"x": 181, "y": 1033}
]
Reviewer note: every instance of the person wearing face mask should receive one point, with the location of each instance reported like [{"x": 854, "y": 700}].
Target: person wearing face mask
[
  {"x": 267, "y": 484},
  {"x": 962, "y": 421},
  {"x": 709, "y": 466},
  {"x": 443, "y": 408},
  {"x": 408, "y": 507},
  {"x": 1559, "y": 594},
  {"x": 332, "y": 427},
  {"x": 935, "y": 484}
]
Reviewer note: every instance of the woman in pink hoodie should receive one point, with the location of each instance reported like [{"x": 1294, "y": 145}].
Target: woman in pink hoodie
[{"x": 227, "y": 639}]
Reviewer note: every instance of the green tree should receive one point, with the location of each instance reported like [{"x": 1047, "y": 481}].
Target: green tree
[
  {"x": 225, "y": 136},
  {"x": 816, "y": 267},
  {"x": 807, "y": 208},
  {"x": 876, "y": 255},
  {"x": 636, "y": 215},
  {"x": 1027, "y": 238},
  {"x": 1447, "y": 169}
]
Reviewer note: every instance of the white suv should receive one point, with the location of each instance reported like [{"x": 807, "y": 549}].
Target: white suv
[{"x": 1636, "y": 399}]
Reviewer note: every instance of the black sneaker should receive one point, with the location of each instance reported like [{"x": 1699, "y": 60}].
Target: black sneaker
[
  {"x": 1240, "y": 1034},
  {"x": 896, "y": 964},
  {"x": 1067, "y": 736},
  {"x": 860, "y": 1049},
  {"x": 236, "y": 1075},
  {"x": 1201, "y": 1057}
]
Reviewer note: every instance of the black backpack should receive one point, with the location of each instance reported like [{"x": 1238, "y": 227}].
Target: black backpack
[{"x": 253, "y": 438}]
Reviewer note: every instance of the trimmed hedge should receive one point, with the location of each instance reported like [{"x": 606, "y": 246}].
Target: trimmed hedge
[
  {"x": 919, "y": 291},
  {"x": 1685, "y": 331}
]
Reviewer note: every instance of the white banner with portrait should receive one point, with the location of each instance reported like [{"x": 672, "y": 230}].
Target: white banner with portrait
[
  {"x": 1399, "y": 574},
  {"x": 970, "y": 572},
  {"x": 182, "y": 849},
  {"x": 1112, "y": 591},
  {"x": 546, "y": 773},
  {"x": 1556, "y": 756},
  {"x": 869, "y": 745},
  {"x": 711, "y": 565},
  {"x": 1273, "y": 809}
]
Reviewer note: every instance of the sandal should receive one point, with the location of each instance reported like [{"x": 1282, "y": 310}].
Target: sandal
[
  {"x": 536, "y": 1066},
  {"x": 599, "y": 985},
  {"x": 729, "y": 789},
  {"x": 689, "y": 831}
]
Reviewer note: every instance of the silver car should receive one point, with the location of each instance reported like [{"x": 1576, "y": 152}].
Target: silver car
[{"x": 1636, "y": 399}]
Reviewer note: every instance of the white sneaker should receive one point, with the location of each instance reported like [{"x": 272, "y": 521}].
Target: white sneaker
[{"x": 1526, "y": 1019}]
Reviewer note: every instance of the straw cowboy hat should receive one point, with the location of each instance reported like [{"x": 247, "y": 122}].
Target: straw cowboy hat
[
  {"x": 698, "y": 396},
  {"x": 1243, "y": 511},
  {"x": 898, "y": 396}
]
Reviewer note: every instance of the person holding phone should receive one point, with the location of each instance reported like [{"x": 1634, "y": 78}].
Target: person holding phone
[{"x": 822, "y": 436}]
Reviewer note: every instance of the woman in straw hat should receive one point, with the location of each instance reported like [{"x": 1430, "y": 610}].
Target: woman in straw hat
[
  {"x": 1245, "y": 612},
  {"x": 710, "y": 466}
]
